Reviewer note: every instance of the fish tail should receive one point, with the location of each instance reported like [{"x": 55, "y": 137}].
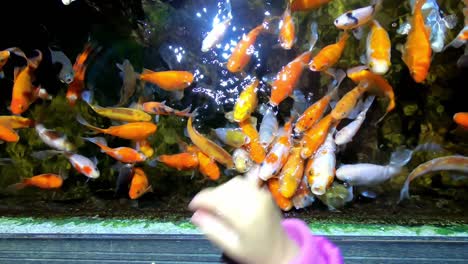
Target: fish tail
[
  {"x": 17, "y": 186},
  {"x": 34, "y": 61},
  {"x": 401, "y": 157},
  {"x": 145, "y": 72},
  {"x": 18, "y": 52},
  {"x": 100, "y": 141},
  {"x": 404, "y": 193},
  {"x": 87, "y": 96},
  {"x": 314, "y": 35},
  {"x": 45, "y": 154},
  {"x": 185, "y": 112},
  {"x": 85, "y": 123}
]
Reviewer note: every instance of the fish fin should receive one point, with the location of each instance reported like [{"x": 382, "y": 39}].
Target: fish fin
[
  {"x": 15, "y": 187},
  {"x": 85, "y": 123},
  {"x": 2, "y": 75},
  {"x": 363, "y": 58},
  {"x": 400, "y": 157},
  {"x": 313, "y": 35},
  {"x": 35, "y": 61},
  {"x": 358, "y": 33},
  {"x": 119, "y": 66},
  {"x": 97, "y": 140},
  {"x": 404, "y": 193},
  {"x": 94, "y": 160},
  {"x": 156, "y": 119},
  {"x": 45, "y": 154},
  {"x": 356, "y": 110},
  {"x": 153, "y": 162},
  {"x": 87, "y": 96},
  {"x": 450, "y": 21},
  {"x": 17, "y": 52},
  {"x": 16, "y": 72},
  {"x": 369, "y": 194},
  {"x": 178, "y": 94},
  {"x": 368, "y": 102},
  {"x": 338, "y": 76}
]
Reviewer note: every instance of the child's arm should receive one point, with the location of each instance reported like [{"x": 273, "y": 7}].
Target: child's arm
[{"x": 246, "y": 224}]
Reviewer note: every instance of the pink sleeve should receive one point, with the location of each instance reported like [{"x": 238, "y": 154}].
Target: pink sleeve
[{"x": 313, "y": 249}]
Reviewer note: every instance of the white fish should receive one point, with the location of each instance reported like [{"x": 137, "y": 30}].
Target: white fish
[
  {"x": 346, "y": 134},
  {"x": 365, "y": 174},
  {"x": 82, "y": 164},
  {"x": 53, "y": 138},
  {"x": 322, "y": 170},
  {"x": 242, "y": 161},
  {"x": 67, "y": 2},
  {"x": 358, "y": 17},
  {"x": 278, "y": 154},
  {"x": 268, "y": 128},
  {"x": 66, "y": 74}
]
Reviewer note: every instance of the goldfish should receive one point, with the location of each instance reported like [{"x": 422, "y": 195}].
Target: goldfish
[
  {"x": 315, "y": 136},
  {"x": 278, "y": 154},
  {"x": 243, "y": 51},
  {"x": 54, "y": 139},
  {"x": 208, "y": 166},
  {"x": 5, "y": 56},
  {"x": 268, "y": 128},
  {"x": 348, "y": 101},
  {"x": 247, "y": 102},
  {"x": 66, "y": 73},
  {"x": 24, "y": 94},
  {"x": 287, "y": 31},
  {"x": 215, "y": 35},
  {"x": 43, "y": 181},
  {"x": 131, "y": 131},
  {"x": 242, "y": 161},
  {"x": 80, "y": 66},
  {"x": 417, "y": 51},
  {"x": 122, "y": 154},
  {"x": 365, "y": 174},
  {"x": 312, "y": 114},
  {"x": 160, "y": 108},
  {"x": 306, "y": 5},
  {"x": 256, "y": 150},
  {"x": 82, "y": 164},
  {"x": 168, "y": 80},
  {"x": 129, "y": 82},
  {"x": 117, "y": 113},
  {"x": 291, "y": 173},
  {"x": 329, "y": 55},
  {"x": 233, "y": 137},
  {"x": 447, "y": 163},
  {"x": 378, "y": 49},
  {"x": 322, "y": 168},
  {"x": 16, "y": 122},
  {"x": 7, "y": 134},
  {"x": 144, "y": 147},
  {"x": 461, "y": 119},
  {"x": 139, "y": 184},
  {"x": 346, "y": 134},
  {"x": 355, "y": 18},
  {"x": 303, "y": 196},
  {"x": 283, "y": 203},
  {"x": 180, "y": 161},
  {"x": 207, "y": 146}
]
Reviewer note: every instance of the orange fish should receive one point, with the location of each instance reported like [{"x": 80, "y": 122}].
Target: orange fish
[
  {"x": 346, "y": 104},
  {"x": 306, "y": 5},
  {"x": 378, "y": 49},
  {"x": 139, "y": 184},
  {"x": 168, "y": 80},
  {"x": 122, "y": 154},
  {"x": 16, "y": 122},
  {"x": 24, "y": 94},
  {"x": 240, "y": 57},
  {"x": 8, "y": 135},
  {"x": 314, "y": 137},
  {"x": 287, "y": 34},
  {"x": 208, "y": 166},
  {"x": 133, "y": 131},
  {"x": 287, "y": 78},
  {"x": 284, "y": 203},
  {"x": 256, "y": 150},
  {"x": 417, "y": 51},
  {"x": 76, "y": 87},
  {"x": 180, "y": 161},
  {"x": 461, "y": 119},
  {"x": 329, "y": 56},
  {"x": 160, "y": 108},
  {"x": 43, "y": 181},
  {"x": 292, "y": 173}
]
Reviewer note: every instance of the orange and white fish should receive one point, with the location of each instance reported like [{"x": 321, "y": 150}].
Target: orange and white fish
[
  {"x": 346, "y": 104},
  {"x": 139, "y": 184},
  {"x": 43, "y": 181},
  {"x": 329, "y": 55},
  {"x": 461, "y": 119},
  {"x": 5, "y": 55},
  {"x": 322, "y": 168},
  {"x": 447, "y": 163},
  {"x": 278, "y": 154},
  {"x": 355, "y": 18},
  {"x": 417, "y": 52},
  {"x": 168, "y": 80},
  {"x": 180, "y": 161},
  {"x": 315, "y": 136},
  {"x": 160, "y": 108},
  {"x": 291, "y": 174},
  {"x": 255, "y": 148},
  {"x": 207, "y": 146},
  {"x": 77, "y": 86},
  {"x": 208, "y": 167},
  {"x": 54, "y": 139},
  {"x": 307, "y": 5},
  {"x": 378, "y": 49},
  {"x": 268, "y": 128},
  {"x": 7, "y": 134},
  {"x": 283, "y": 203},
  {"x": 287, "y": 31},
  {"x": 247, "y": 102},
  {"x": 133, "y": 131},
  {"x": 16, "y": 122},
  {"x": 122, "y": 154},
  {"x": 82, "y": 164}
]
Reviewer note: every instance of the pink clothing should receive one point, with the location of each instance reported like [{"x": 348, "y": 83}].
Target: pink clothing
[{"x": 313, "y": 249}]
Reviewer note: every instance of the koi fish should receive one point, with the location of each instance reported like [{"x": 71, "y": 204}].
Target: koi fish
[
  {"x": 129, "y": 82},
  {"x": 287, "y": 32},
  {"x": 256, "y": 150},
  {"x": 208, "y": 166},
  {"x": 314, "y": 137},
  {"x": 461, "y": 119},
  {"x": 278, "y": 154},
  {"x": 215, "y": 35},
  {"x": 15, "y": 122},
  {"x": 82, "y": 164},
  {"x": 180, "y": 161},
  {"x": 207, "y": 146},
  {"x": 168, "y": 80},
  {"x": 346, "y": 134},
  {"x": 7, "y": 134},
  {"x": 43, "y": 181},
  {"x": 144, "y": 147},
  {"x": 417, "y": 51},
  {"x": 303, "y": 196},
  {"x": 131, "y": 131},
  {"x": 247, "y": 102},
  {"x": 139, "y": 184},
  {"x": 355, "y": 18},
  {"x": 66, "y": 73},
  {"x": 5, "y": 56},
  {"x": 447, "y": 163},
  {"x": 242, "y": 161},
  {"x": 54, "y": 139},
  {"x": 321, "y": 170},
  {"x": 365, "y": 174},
  {"x": 306, "y": 5},
  {"x": 233, "y": 137},
  {"x": 378, "y": 49},
  {"x": 283, "y": 203},
  {"x": 268, "y": 128},
  {"x": 329, "y": 55},
  {"x": 291, "y": 173},
  {"x": 346, "y": 104},
  {"x": 160, "y": 108},
  {"x": 122, "y": 154}
]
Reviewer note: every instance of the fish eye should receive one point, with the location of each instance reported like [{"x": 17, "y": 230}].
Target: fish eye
[{"x": 336, "y": 21}]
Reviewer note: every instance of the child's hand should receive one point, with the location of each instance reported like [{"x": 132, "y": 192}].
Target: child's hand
[{"x": 244, "y": 222}]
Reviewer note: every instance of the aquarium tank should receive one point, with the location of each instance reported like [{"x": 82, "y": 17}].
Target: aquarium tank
[{"x": 345, "y": 111}]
